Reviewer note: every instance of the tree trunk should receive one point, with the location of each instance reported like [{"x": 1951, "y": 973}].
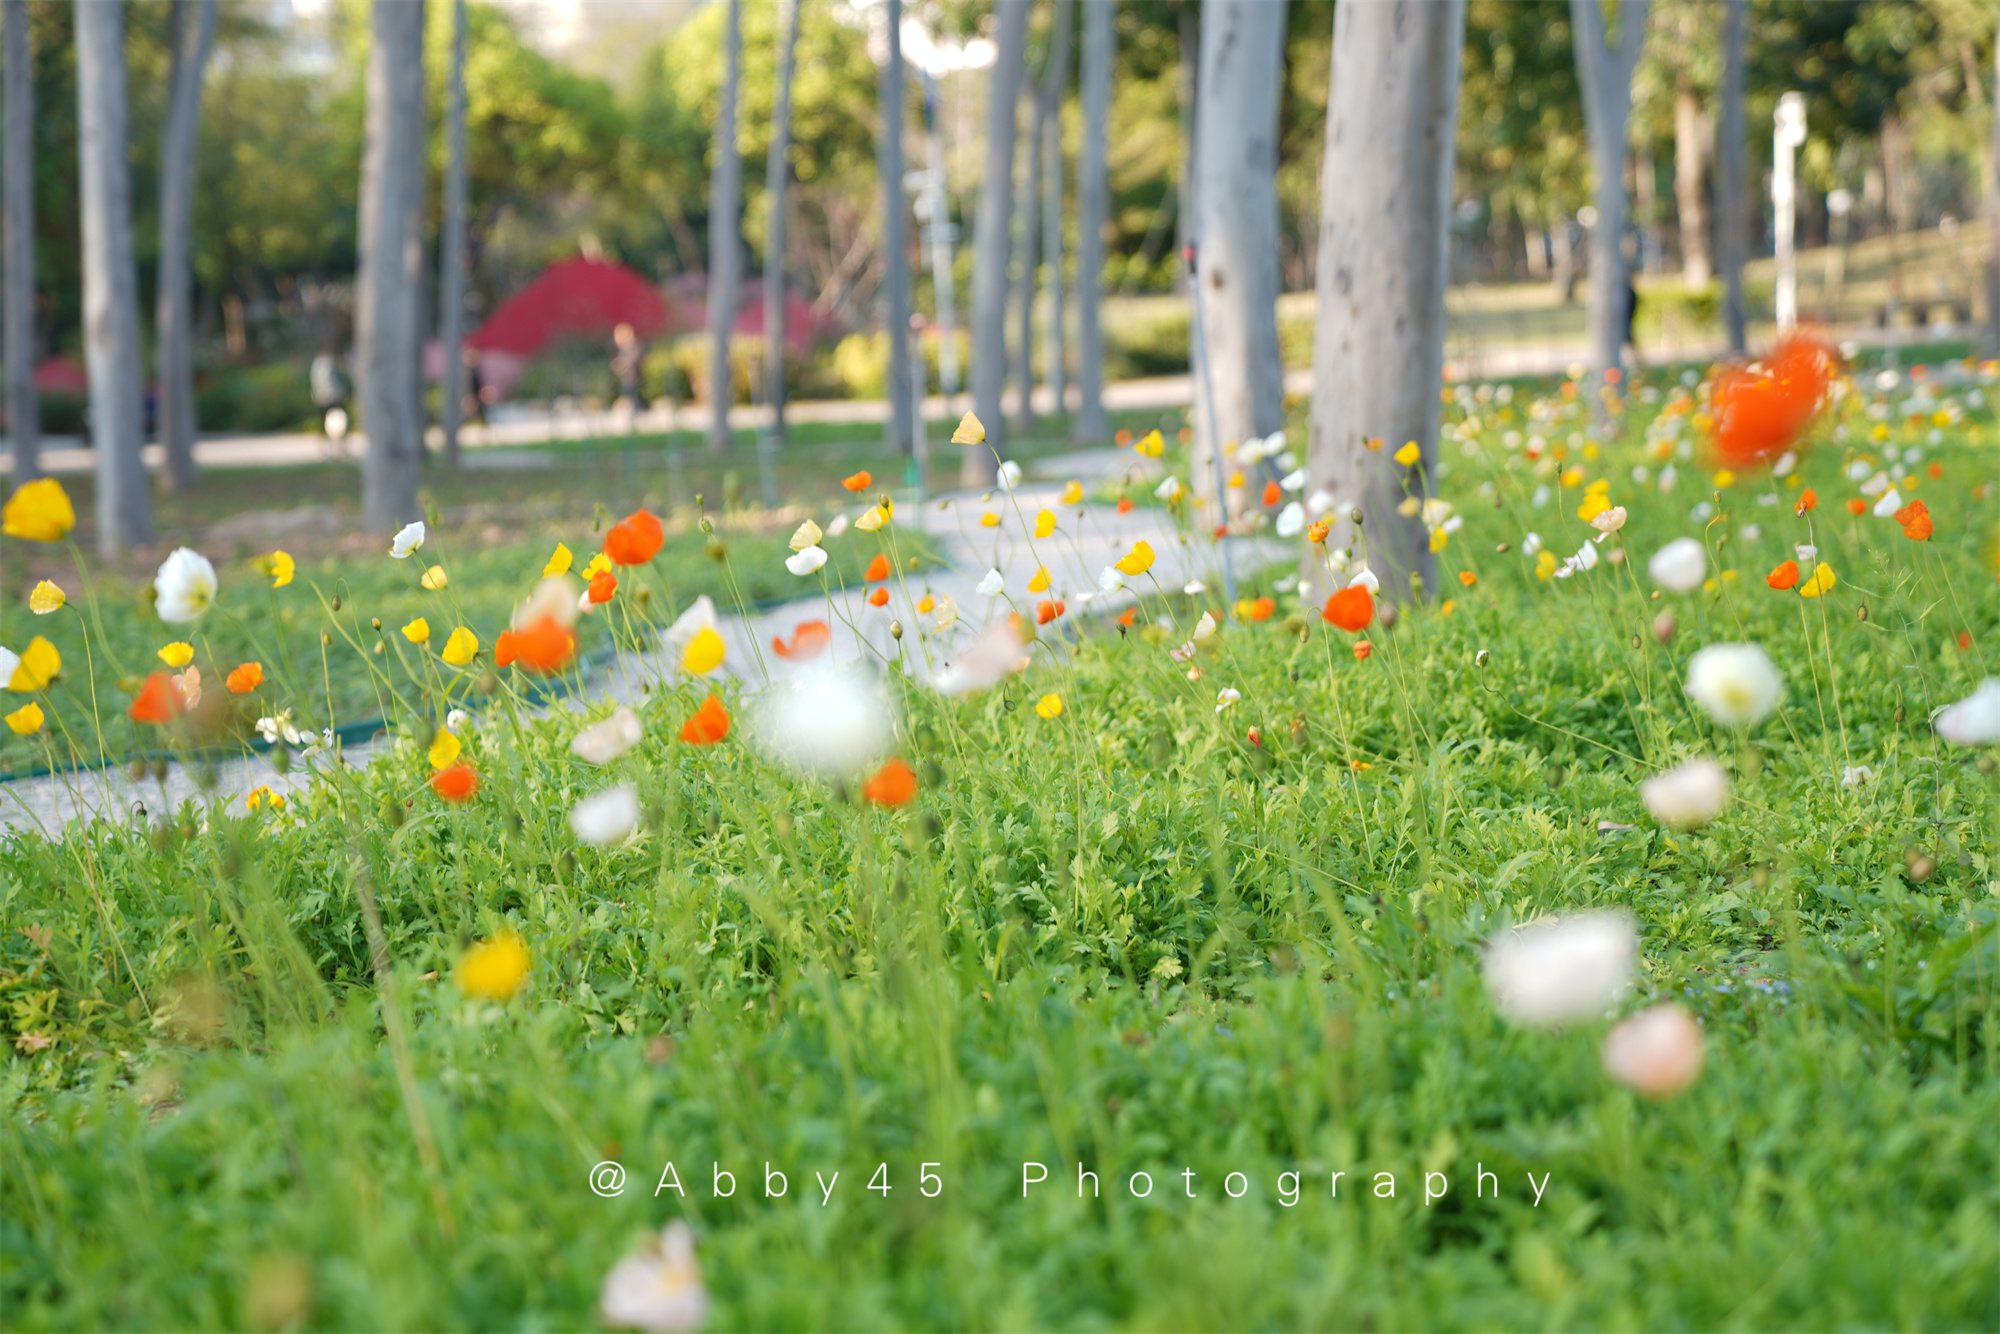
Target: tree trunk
[
  {"x": 1993, "y": 216},
  {"x": 1691, "y": 138},
  {"x": 777, "y": 184},
  {"x": 1093, "y": 191},
  {"x": 990, "y": 241},
  {"x": 1732, "y": 239},
  {"x": 1026, "y": 215},
  {"x": 388, "y": 296},
  {"x": 1236, "y": 230},
  {"x": 899, "y": 439},
  {"x": 451, "y": 279},
  {"x": 1185, "y": 179},
  {"x": 191, "y": 32},
  {"x": 1606, "y": 78},
  {"x": 725, "y": 247},
  {"x": 17, "y": 216},
  {"x": 110, "y": 281},
  {"x": 1384, "y": 252},
  {"x": 1053, "y": 88}
]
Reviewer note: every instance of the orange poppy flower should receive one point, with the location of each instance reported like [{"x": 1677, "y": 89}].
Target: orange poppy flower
[
  {"x": 1125, "y": 504},
  {"x": 245, "y": 678},
  {"x": 1784, "y": 577},
  {"x": 1964, "y": 640},
  {"x": 1808, "y": 501},
  {"x": 1362, "y": 648},
  {"x": 859, "y": 481},
  {"x": 1318, "y": 531},
  {"x": 1261, "y": 609},
  {"x": 545, "y": 645},
  {"x": 456, "y": 782},
  {"x": 1131, "y": 615},
  {"x": 894, "y": 784},
  {"x": 1468, "y": 578},
  {"x": 1916, "y": 520},
  {"x": 1351, "y": 608},
  {"x": 1936, "y": 470},
  {"x": 1272, "y": 493},
  {"x": 1857, "y": 506},
  {"x": 1759, "y": 414},
  {"x": 878, "y": 569},
  {"x": 879, "y": 598},
  {"x": 505, "y": 649},
  {"x": 709, "y": 725},
  {"x": 635, "y": 539},
  {"x": 1047, "y": 610},
  {"x": 602, "y": 585},
  {"x": 809, "y": 640},
  {"x": 156, "y": 701}
]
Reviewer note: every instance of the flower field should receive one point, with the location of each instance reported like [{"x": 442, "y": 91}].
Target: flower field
[{"x": 1605, "y": 938}]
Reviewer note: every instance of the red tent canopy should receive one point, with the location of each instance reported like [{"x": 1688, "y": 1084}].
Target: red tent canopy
[{"x": 577, "y": 296}]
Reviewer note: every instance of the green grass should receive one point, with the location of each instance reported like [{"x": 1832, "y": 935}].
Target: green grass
[{"x": 1126, "y": 939}]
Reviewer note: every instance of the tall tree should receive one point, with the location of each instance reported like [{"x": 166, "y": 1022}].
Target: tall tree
[
  {"x": 1993, "y": 214},
  {"x": 388, "y": 297},
  {"x": 1694, "y": 133},
  {"x": 1027, "y": 205},
  {"x": 895, "y": 250},
  {"x": 1049, "y": 144},
  {"x": 1732, "y": 221},
  {"x": 990, "y": 241},
  {"x": 451, "y": 264},
  {"x": 1093, "y": 203},
  {"x": 1236, "y": 232},
  {"x": 725, "y": 246},
  {"x": 191, "y": 33},
  {"x": 17, "y": 217},
  {"x": 777, "y": 184},
  {"x": 1605, "y": 74},
  {"x": 110, "y": 281},
  {"x": 1384, "y": 253},
  {"x": 1186, "y": 172}
]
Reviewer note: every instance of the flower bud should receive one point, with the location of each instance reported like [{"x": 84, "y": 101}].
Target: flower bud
[
  {"x": 375, "y": 624},
  {"x": 895, "y": 629},
  {"x": 1481, "y": 658},
  {"x": 1664, "y": 626}
]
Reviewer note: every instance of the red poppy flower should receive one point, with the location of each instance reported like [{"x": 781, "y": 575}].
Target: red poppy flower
[
  {"x": 635, "y": 539},
  {"x": 1808, "y": 501},
  {"x": 1047, "y": 610},
  {"x": 878, "y": 569},
  {"x": 709, "y": 725},
  {"x": 809, "y": 640},
  {"x": 505, "y": 649},
  {"x": 1857, "y": 506},
  {"x": 1261, "y": 609},
  {"x": 602, "y": 585},
  {"x": 545, "y": 645},
  {"x": 859, "y": 481},
  {"x": 1784, "y": 577},
  {"x": 157, "y": 701},
  {"x": 879, "y": 598},
  {"x": 1759, "y": 414},
  {"x": 456, "y": 782},
  {"x": 1362, "y": 648},
  {"x": 1351, "y": 608},
  {"x": 1125, "y": 504},
  {"x": 1964, "y": 640},
  {"x": 245, "y": 678},
  {"x": 894, "y": 784},
  {"x": 1916, "y": 520},
  {"x": 1272, "y": 493}
]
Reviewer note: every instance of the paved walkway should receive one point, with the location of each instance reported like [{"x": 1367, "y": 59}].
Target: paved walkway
[{"x": 1087, "y": 538}]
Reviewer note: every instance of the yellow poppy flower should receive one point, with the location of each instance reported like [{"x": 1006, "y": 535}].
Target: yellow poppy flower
[
  {"x": 1725, "y": 479},
  {"x": 1045, "y": 523},
  {"x": 444, "y": 749},
  {"x": 1152, "y": 444},
  {"x": 1572, "y": 477},
  {"x": 461, "y": 648},
  {"x": 872, "y": 520},
  {"x": 598, "y": 562},
  {"x": 262, "y": 796},
  {"x": 1136, "y": 561},
  {"x": 1049, "y": 706},
  {"x": 495, "y": 969},
  {"x": 1041, "y": 580},
  {"x": 558, "y": 562},
  {"x": 1594, "y": 503},
  {"x": 38, "y": 511},
  {"x": 280, "y": 566},
  {"x": 925, "y": 603},
  {"x": 1409, "y": 454},
  {"x": 1822, "y": 581},
  {"x": 435, "y": 578},
  {"x": 26, "y": 720},
  {"x": 46, "y": 598},
  {"x": 1438, "y": 539},
  {"x": 1545, "y": 565},
  {"x": 989, "y": 520},
  {"x": 39, "y": 664},
  {"x": 418, "y": 631},
  {"x": 703, "y": 654},
  {"x": 969, "y": 432},
  {"x": 177, "y": 655},
  {"x": 1073, "y": 494}
]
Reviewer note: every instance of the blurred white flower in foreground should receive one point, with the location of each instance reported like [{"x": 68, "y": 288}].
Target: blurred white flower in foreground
[
  {"x": 1736, "y": 683},
  {"x": 1974, "y": 720},
  {"x": 831, "y": 721},
  {"x": 1656, "y": 1053},
  {"x": 1679, "y": 566},
  {"x": 657, "y": 1289},
  {"x": 607, "y": 818},
  {"x": 990, "y": 659},
  {"x": 184, "y": 587},
  {"x": 603, "y": 742},
  {"x": 554, "y": 597},
  {"x": 991, "y": 585},
  {"x": 1571, "y": 968},
  {"x": 409, "y": 539},
  {"x": 1009, "y": 475},
  {"x": 1687, "y": 796},
  {"x": 806, "y": 560}
]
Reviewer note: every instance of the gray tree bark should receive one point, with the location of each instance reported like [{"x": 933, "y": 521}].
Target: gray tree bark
[
  {"x": 1993, "y": 216},
  {"x": 191, "y": 29},
  {"x": 1049, "y": 143},
  {"x": 17, "y": 218},
  {"x": 1384, "y": 255},
  {"x": 1027, "y": 203},
  {"x": 451, "y": 263},
  {"x": 389, "y": 295},
  {"x": 1093, "y": 192},
  {"x": 110, "y": 281},
  {"x": 1606, "y": 77},
  {"x": 1236, "y": 229},
  {"x": 1732, "y": 232},
  {"x": 777, "y": 185},
  {"x": 725, "y": 246},
  {"x": 1692, "y": 134},
  {"x": 898, "y": 436},
  {"x": 1186, "y": 174},
  {"x": 990, "y": 241}
]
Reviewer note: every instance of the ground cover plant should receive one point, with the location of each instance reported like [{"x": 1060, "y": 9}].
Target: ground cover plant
[{"x": 1660, "y": 996}]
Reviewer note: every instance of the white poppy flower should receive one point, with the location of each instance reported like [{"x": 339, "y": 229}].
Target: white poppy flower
[
  {"x": 1194, "y": 588},
  {"x": 1891, "y": 501},
  {"x": 990, "y": 659},
  {"x": 1531, "y": 544},
  {"x": 607, "y": 818},
  {"x": 10, "y": 662},
  {"x": 1291, "y": 520},
  {"x": 1854, "y": 775},
  {"x": 1293, "y": 481},
  {"x": 1338, "y": 559},
  {"x": 409, "y": 539},
  {"x": 658, "y": 1289},
  {"x": 1109, "y": 580},
  {"x": 456, "y": 720},
  {"x": 806, "y": 560},
  {"x": 1320, "y": 504},
  {"x": 1656, "y": 1053},
  {"x": 1786, "y": 462},
  {"x": 1610, "y": 521},
  {"x": 1170, "y": 489},
  {"x": 836, "y": 525},
  {"x": 831, "y": 721},
  {"x": 1205, "y": 627},
  {"x": 1736, "y": 683},
  {"x": 1670, "y": 477},
  {"x": 605, "y": 741},
  {"x": 1974, "y": 720},
  {"x": 1225, "y": 697},
  {"x": 1806, "y": 552},
  {"x": 185, "y": 586},
  {"x": 1687, "y": 796},
  {"x": 697, "y": 618},
  {"x": 554, "y": 597},
  {"x": 991, "y": 585},
  {"x": 1365, "y": 578},
  {"x": 1009, "y": 475},
  {"x": 1679, "y": 566},
  {"x": 1567, "y": 969},
  {"x": 1877, "y": 484}
]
